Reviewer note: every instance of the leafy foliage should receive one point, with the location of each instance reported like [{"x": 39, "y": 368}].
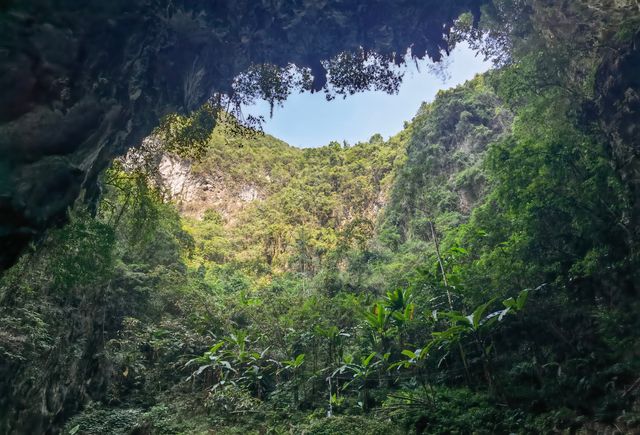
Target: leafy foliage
[{"x": 494, "y": 292}]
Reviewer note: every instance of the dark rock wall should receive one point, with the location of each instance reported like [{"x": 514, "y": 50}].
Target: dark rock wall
[
  {"x": 38, "y": 396},
  {"x": 618, "y": 112}
]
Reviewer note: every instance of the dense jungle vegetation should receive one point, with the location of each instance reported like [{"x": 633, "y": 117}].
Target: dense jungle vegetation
[{"x": 476, "y": 273}]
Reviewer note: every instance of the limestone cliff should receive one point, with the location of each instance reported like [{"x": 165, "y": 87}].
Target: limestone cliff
[
  {"x": 235, "y": 174},
  {"x": 196, "y": 192},
  {"x": 442, "y": 179}
]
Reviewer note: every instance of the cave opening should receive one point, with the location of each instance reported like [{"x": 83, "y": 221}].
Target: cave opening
[{"x": 319, "y": 216}]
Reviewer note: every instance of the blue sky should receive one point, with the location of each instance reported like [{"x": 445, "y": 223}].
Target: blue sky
[{"x": 308, "y": 120}]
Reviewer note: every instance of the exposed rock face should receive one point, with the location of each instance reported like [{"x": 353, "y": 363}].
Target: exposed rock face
[
  {"x": 73, "y": 369},
  {"x": 83, "y": 81},
  {"x": 443, "y": 173},
  {"x": 195, "y": 192},
  {"x": 618, "y": 92},
  {"x": 618, "y": 110}
]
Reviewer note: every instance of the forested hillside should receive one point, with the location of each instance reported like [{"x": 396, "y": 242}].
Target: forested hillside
[
  {"x": 478, "y": 272},
  {"x": 257, "y": 204}
]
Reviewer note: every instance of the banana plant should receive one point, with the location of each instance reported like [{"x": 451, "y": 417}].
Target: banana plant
[
  {"x": 416, "y": 361},
  {"x": 477, "y": 325},
  {"x": 388, "y": 319},
  {"x": 399, "y": 300},
  {"x": 238, "y": 341},
  {"x": 335, "y": 341},
  {"x": 230, "y": 361},
  {"x": 293, "y": 366},
  {"x": 378, "y": 321},
  {"x": 478, "y": 320},
  {"x": 514, "y": 305},
  {"x": 217, "y": 362},
  {"x": 377, "y": 318},
  {"x": 400, "y": 305},
  {"x": 360, "y": 373}
]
